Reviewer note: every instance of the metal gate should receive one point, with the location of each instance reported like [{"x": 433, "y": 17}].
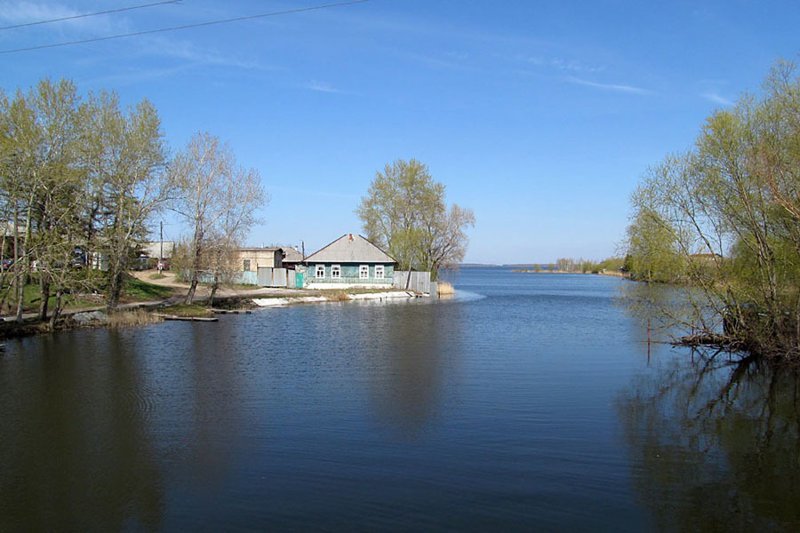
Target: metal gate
[{"x": 264, "y": 276}]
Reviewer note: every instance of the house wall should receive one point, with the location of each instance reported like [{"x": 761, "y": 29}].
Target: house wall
[
  {"x": 350, "y": 275},
  {"x": 260, "y": 258},
  {"x": 240, "y": 278}
]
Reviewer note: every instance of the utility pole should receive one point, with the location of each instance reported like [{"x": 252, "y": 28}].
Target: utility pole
[{"x": 161, "y": 247}]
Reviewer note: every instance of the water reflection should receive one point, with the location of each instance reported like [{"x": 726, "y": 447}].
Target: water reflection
[
  {"x": 487, "y": 414},
  {"x": 410, "y": 357},
  {"x": 715, "y": 443},
  {"x": 212, "y": 391},
  {"x": 75, "y": 449},
  {"x": 668, "y": 312}
]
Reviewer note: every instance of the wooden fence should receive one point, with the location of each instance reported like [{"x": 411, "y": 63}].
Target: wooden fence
[{"x": 419, "y": 281}]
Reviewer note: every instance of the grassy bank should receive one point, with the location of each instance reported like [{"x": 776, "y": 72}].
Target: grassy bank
[{"x": 187, "y": 310}]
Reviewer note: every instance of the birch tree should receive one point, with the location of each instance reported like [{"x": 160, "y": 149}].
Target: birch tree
[
  {"x": 125, "y": 157},
  {"x": 41, "y": 131},
  {"x": 218, "y": 200}
]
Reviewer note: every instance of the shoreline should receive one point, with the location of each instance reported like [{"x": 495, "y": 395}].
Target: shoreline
[
  {"x": 154, "y": 312},
  {"x": 610, "y": 273},
  {"x": 339, "y": 297}
]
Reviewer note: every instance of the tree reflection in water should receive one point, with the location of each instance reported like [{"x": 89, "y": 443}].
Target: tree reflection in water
[
  {"x": 76, "y": 451},
  {"x": 715, "y": 445},
  {"x": 413, "y": 355}
]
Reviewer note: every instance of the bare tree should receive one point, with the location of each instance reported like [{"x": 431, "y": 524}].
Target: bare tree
[
  {"x": 239, "y": 200},
  {"x": 218, "y": 200}
]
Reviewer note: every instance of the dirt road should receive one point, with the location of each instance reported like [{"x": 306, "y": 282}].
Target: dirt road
[{"x": 151, "y": 276}]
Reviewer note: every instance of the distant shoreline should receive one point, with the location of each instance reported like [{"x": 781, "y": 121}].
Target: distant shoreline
[{"x": 611, "y": 273}]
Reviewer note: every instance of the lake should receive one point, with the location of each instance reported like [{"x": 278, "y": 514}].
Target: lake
[{"x": 530, "y": 401}]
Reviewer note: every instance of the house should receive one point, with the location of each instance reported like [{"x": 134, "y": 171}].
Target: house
[
  {"x": 291, "y": 257},
  {"x": 251, "y": 259},
  {"x": 157, "y": 249},
  {"x": 149, "y": 254},
  {"x": 349, "y": 261}
]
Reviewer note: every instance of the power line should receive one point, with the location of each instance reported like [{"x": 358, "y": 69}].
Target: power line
[
  {"x": 84, "y": 15},
  {"x": 185, "y": 26}
]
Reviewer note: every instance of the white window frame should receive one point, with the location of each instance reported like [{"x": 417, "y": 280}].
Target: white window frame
[
  {"x": 320, "y": 269},
  {"x": 336, "y": 271},
  {"x": 363, "y": 271},
  {"x": 380, "y": 271},
  {"x": 246, "y": 265}
]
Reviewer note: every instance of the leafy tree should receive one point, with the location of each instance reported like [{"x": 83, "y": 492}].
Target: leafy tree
[
  {"x": 726, "y": 214},
  {"x": 41, "y": 182},
  {"x": 76, "y": 176},
  {"x": 125, "y": 158},
  {"x": 405, "y": 212},
  {"x": 653, "y": 254}
]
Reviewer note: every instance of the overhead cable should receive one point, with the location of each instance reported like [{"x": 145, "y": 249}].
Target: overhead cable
[
  {"x": 85, "y": 15},
  {"x": 185, "y": 26}
]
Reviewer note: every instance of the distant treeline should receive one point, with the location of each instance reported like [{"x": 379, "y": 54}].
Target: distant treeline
[
  {"x": 576, "y": 266},
  {"x": 587, "y": 266}
]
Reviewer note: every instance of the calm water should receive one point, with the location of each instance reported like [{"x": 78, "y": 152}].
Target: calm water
[{"x": 530, "y": 403}]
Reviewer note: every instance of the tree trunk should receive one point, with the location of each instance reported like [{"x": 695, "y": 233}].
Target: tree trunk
[
  {"x": 114, "y": 285},
  {"x": 44, "y": 290},
  {"x": 192, "y": 289},
  {"x": 19, "y": 283},
  {"x": 198, "y": 239},
  {"x": 214, "y": 287},
  {"x": 20, "y": 286},
  {"x": 57, "y": 309}
]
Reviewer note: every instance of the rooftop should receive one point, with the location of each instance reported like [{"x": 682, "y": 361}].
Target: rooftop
[{"x": 350, "y": 248}]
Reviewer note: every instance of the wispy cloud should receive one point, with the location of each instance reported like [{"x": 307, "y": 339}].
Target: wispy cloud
[
  {"x": 717, "y": 98},
  {"x": 448, "y": 60},
  {"x": 564, "y": 65},
  {"x": 25, "y": 12},
  {"x": 190, "y": 52},
  {"x": 620, "y": 88},
  {"x": 321, "y": 87},
  {"x": 137, "y": 75}
]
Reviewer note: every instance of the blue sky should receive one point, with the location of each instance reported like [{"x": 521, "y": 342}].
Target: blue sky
[{"x": 540, "y": 116}]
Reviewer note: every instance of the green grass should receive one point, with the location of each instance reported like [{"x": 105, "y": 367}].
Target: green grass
[
  {"x": 32, "y": 299},
  {"x": 133, "y": 290},
  {"x": 241, "y": 286},
  {"x": 193, "y": 310},
  {"x": 137, "y": 290}
]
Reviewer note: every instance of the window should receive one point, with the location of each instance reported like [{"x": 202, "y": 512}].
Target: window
[
  {"x": 246, "y": 265},
  {"x": 363, "y": 272},
  {"x": 379, "y": 273},
  {"x": 336, "y": 271},
  {"x": 320, "y": 271}
]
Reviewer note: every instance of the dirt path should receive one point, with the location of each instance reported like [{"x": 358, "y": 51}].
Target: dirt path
[{"x": 203, "y": 291}]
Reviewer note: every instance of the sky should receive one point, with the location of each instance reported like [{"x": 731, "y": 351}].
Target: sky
[{"x": 540, "y": 116}]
